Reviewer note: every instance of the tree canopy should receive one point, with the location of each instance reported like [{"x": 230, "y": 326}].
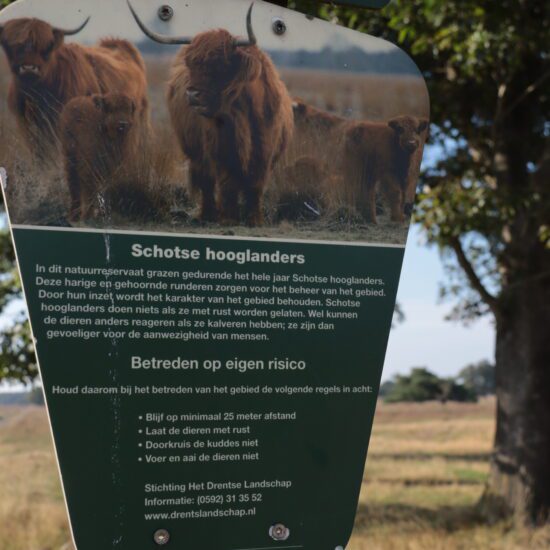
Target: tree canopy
[
  {"x": 17, "y": 359},
  {"x": 487, "y": 68},
  {"x": 422, "y": 385},
  {"x": 479, "y": 378},
  {"x": 486, "y": 201}
]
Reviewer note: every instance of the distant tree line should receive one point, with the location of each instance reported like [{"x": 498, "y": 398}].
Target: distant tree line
[{"x": 471, "y": 383}]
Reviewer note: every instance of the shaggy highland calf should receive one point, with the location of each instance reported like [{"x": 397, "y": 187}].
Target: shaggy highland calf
[
  {"x": 47, "y": 74},
  {"x": 385, "y": 154},
  {"x": 100, "y": 137},
  {"x": 233, "y": 118}
]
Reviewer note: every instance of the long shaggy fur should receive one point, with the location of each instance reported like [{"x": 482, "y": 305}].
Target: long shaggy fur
[
  {"x": 385, "y": 154},
  {"x": 239, "y": 127},
  {"x": 61, "y": 72},
  {"x": 100, "y": 140},
  {"x": 316, "y": 128}
]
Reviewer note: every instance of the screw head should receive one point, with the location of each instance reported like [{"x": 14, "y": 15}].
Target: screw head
[
  {"x": 278, "y": 26},
  {"x": 161, "y": 537},
  {"x": 279, "y": 532},
  {"x": 166, "y": 12}
]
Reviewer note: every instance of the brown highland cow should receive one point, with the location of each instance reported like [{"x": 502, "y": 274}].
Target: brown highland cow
[
  {"x": 233, "y": 117},
  {"x": 385, "y": 154},
  {"x": 47, "y": 74},
  {"x": 100, "y": 137}
]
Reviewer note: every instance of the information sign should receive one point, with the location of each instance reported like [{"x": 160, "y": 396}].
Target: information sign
[{"x": 210, "y": 203}]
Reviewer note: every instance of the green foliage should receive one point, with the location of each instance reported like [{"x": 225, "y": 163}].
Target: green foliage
[
  {"x": 17, "y": 359},
  {"x": 422, "y": 385},
  {"x": 479, "y": 378},
  {"x": 386, "y": 388},
  {"x": 487, "y": 66},
  {"x": 452, "y": 390}
]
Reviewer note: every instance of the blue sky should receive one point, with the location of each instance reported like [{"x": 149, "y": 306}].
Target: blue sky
[{"x": 425, "y": 338}]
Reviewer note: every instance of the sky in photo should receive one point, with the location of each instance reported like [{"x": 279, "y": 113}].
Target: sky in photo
[{"x": 426, "y": 339}]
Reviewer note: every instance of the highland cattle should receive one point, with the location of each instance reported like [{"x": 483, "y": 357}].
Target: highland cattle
[
  {"x": 100, "y": 139},
  {"x": 47, "y": 73},
  {"x": 232, "y": 115},
  {"x": 384, "y": 155}
]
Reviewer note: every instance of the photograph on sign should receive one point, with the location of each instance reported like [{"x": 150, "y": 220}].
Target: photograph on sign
[
  {"x": 209, "y": 202},
  {"x": 289, "y": 134}
]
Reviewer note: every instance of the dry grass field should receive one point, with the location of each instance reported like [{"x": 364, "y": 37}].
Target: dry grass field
[
  {"x": 426, "y": 471},
  {"x": 157, "y": 198}
]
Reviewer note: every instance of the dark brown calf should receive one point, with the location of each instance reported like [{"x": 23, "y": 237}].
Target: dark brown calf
[
  {"x": 100, "y": 136},
  {"x": 47, "y": 74},
  {"x": 233, "y": 118}
]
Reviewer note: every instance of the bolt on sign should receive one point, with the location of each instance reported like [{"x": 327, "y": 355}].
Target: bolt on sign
[{"x": 210, "y": 202}]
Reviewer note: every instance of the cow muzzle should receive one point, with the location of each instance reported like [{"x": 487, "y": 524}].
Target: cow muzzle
[
  {"x": 123, "y": 127},
  {"x": 197, "y": 101},
  {"x": 194, "y": 97},
  {"x": 29, "y": 70},
  {"x": 411, "y": 145}
]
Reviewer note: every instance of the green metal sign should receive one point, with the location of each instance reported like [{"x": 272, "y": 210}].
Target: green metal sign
[{"x": 210, "y": 214}]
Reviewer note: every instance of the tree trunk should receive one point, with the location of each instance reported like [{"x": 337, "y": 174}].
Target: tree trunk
[{"x": 520, "y": 466}]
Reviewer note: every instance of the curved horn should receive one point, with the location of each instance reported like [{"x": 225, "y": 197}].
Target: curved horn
[
  {"x": 158, "y": 37},
  {"x": 72, "y": 32},
  {"x": 252, "y": 40}
]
